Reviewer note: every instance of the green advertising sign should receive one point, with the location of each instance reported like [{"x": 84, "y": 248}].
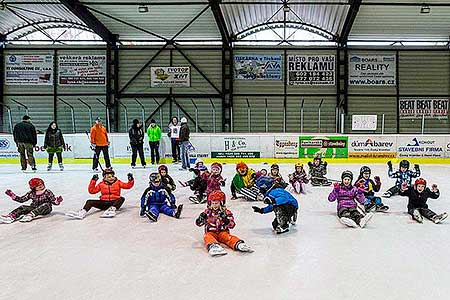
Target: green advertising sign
[{"x": 325, "y": 146}]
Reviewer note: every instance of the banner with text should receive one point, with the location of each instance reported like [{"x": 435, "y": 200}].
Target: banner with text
[
  {"x": 372, "y": 70},
  {"x": 257, "y": 67},
  {"x": 163, "y": 77},
  {"x": 235, "y": 147},
  {"x": 82, "y": 69},
  {"x": 311, "y": 69},
  {"x": 286, "y": 147},
  {"x": 323, "y": 146},
  {"x": 421, "y": 146},
  {"x": 28, "y": 69},
  {"x": 373, "y": 147},
  {"x": 416, "y": 108}
]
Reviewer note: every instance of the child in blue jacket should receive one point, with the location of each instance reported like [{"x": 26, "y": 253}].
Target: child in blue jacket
[
  {"x": 156, "y": 199},
  {"x": 278, "y": 200}
]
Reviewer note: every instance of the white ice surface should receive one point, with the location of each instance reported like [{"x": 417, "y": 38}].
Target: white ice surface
[{"x": 128, "y": 257}]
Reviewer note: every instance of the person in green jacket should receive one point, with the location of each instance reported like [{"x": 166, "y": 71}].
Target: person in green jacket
[{"x": 154, "y": 135}]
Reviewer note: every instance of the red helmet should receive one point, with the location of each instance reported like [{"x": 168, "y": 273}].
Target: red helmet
[
  {"x": 35, "y": 182},
  {"x": 216, "y": 195},
  {"x": 216, "y": 165},
  {"x": 241, "y": 166},
  {"x": 162, "y": 167},
  {"x": 420, "y": 181},
  {"x": 108, "y": 171}
]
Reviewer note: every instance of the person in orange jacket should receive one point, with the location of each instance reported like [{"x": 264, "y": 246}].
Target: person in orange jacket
[
  {"x": 110, "y": 198},
  {"x": 99, "y": 143},
  {"x": 218, "y": 221}
]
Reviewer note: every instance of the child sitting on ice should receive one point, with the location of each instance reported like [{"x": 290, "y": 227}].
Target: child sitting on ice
[
  {"x": 198, "y": 184},
  {"x": 417, "y": 201},
  {"x": 317, "y": 171},
  {"x": 370, "y": 188},
  {"x": 244, "y": 183},
  {"x": 260, "y": 173},
  {"x": 166, "y": 179},
  {"x": 110, "y": 198},
  {"x": 346, "y": 195},
  {"x": 404, "y": 174},
  {"x": 299, "y": 178},
  {"x": 278, "y": 200},
  {"x": 41, "y": 205},
  {"x": 156, "y": 199},
  {"x": 218, "y": 221},
  {"x": 215, "y": 179},
  {"x": 278, "y": 180}
]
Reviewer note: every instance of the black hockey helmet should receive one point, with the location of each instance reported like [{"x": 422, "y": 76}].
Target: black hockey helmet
[
  {"x": 154, "y": 177},
  {"x": 108, "y": 171},
  {"x": 347, "y": 174},
  {"x": 404, "y": 163},
  {"x": 365, "y": 169},
  {"x": 274, "y": 166}
]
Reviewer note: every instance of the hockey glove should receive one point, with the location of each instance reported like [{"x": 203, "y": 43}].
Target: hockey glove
[
  {"x": 130, "y": 177},
  {"x": 58, "y": 200},
  {"x": 416, "y": 167},
  {"x": 389, "y": 163},
  {"x": 95, "y": 177},
  {"x": 11, "y": 194},
  {"x": 201, "y": 219},
  {"x": 256, "y": 209}
]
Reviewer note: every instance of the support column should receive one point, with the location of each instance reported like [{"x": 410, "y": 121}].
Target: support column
[{"x": 2, "y": 79}]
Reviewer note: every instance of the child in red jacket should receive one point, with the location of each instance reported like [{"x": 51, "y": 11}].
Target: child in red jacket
[
  {"x": 218, "y": 221},
  {"x": 110, "y": 199},
  {"x": 214, "y": 180}
]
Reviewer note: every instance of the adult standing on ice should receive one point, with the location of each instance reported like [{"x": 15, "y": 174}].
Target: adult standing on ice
[
  {"x": 154, "y": 136},
  {"x": 99, "y": 143},
  {"x": 25, "y": 137},
  {"x": 174, "y": 135},
  {"x": 184, "y": 140},
  {"x": 54, "y": 144},
  {"x": 136, "y": 134}
]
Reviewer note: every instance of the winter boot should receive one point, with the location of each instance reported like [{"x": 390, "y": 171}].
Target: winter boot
[
  {"x": 177, "y": 213},
  {"x": 109, "y": 213},
  {"x": 417, "y": 216},
  {"x": 215, "y": 249},
  {"x": 61, "y": 167},
  {"x": 365, "y": 219},
  {"x": 49, "y": 167},
  {"x": 8, "y": 219},
  {"x": 242, "y": 246},
  {"x": 348, "y": 222},
  {"x": 387, "y": 194},
  {"x": 381, "y": 208},
  {"x": 77, "y": 214},
  {"x": 439, "y": 218},
  {"x": 27, "y": 218},
  {"x": 297, "y": 187},
  {"x": 151, "y": 216},
  {"x": 315, "y": 182},
  {"x": 282, "y": 229}
]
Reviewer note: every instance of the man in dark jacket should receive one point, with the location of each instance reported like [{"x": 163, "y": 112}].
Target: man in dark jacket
[
  {"x": 25, "y": 138},
  {"x": 184, "y": 143},
  {"x": 136, "y": 134}
]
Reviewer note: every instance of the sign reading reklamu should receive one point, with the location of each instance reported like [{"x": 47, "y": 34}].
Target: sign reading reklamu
[{"x": 311, "y": 69}]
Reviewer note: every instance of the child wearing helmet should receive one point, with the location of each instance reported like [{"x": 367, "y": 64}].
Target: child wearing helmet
[
  {"x": 403, "y": 174},
  {"x": 260, "y": 173},
  {"x": 215, "y": 179},
  {"x": 156, "y": 200},
  {"x": 218, "y": 221},
  {"x": 41, "y": 205},
  {"x": 276, "y": 176},
  {"x": 370, "y": 188},
  {"x": 110, "y": 195},
  {"x": 167, "y": 180},
  {"x": 244, "y": 182},
  {"x": 278, "y": 200},
  {"x": 299, "y": 178},
  {"x": 348, "y": 197},
  {"x": 317, "y": 172},
  {"x": 418, "y": 195},
  {"x": 198, "y": 184}
]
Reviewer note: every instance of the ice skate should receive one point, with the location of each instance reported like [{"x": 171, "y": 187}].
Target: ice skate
[
  {"x": 439, "y": 218},
  {"x": 8, "y": 219},
  {"x": 61, "y": 167},
  {"x": 326, "y": 182},
  {"x": 77, "y": 214},
  {"x": 348, "y": 222},
  {"x": 365, "y": 219},
  {"x": 49, "y": 167},
  {"x": 387, "y": 195},
  {"x": 216, "y": 250},
  {"x": 243, "y": 247},
  {"x": 417, "y": 216},
  {"x": 297, "y": 187},
  {"x": 194, "y": 199},
  {"x": 381, "y": 208},
  {"x": 183, "y": 184},
  {"x": 369, "y": 207},
  {"x": 27, "y": 218},
  {"x": 293, "y": 220},
  {"x": 281, "y": 229},
  {"x": 315, "y": 183},
  {"x": 151, "y": 216},
  {"x": 178, "y": 211},
  {"x": 109, "y": 213}
]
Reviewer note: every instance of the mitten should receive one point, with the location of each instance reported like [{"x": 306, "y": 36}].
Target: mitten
[
  {"x": 58, "y": 200},
  {"x": 95, "y": 177},
  {"x": 92, "y": 147},
  {"x": 377, "y": 180},
  {"x": 389, "y": 163},
  {"x": 11, "y": 194},
  {"x": 404, "y": 186},
  {"x": 256, "y": 209},
  {"x": 337, "y": 186},
  {"x": 434, "y": 187},
  {"x": 130, "y": 177},
  {"x": 416, "y": 167},
  {"x": 224, "y": 218}
]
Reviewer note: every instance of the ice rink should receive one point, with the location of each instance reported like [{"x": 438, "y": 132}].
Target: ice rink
[{"x": 128, "y": 257}]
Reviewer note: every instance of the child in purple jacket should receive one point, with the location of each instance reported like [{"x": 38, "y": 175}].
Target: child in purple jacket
[{"x": 347, "y": 208}]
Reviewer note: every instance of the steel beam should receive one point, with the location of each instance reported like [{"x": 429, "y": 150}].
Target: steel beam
[
  {"x": 349, "y": 20},
  {"x": 220, "y": 21}
]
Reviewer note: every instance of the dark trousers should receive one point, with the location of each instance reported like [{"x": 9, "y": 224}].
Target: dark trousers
[
  {"x": 28, "y": 148},
  {"x": 251, "y": 193},
  {"x": 41, "y": 210},
  {"x": 393, "y": 190},
  {"x": 425, "y": 212},
  {"x": 105, "y": 151},
  {"x": 175, "y": 150},
  {"x": 283, "y": 215},
  {"x": 154, "y": 151},
  {"x": 58, "y": 155},
  {"x": 135, "y": 149},
  {"x": 351, "y": 213},
  {"x": 103, "y": 205}
]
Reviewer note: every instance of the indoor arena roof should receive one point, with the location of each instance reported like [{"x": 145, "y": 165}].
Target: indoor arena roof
[{"x": 215, "y": 20}]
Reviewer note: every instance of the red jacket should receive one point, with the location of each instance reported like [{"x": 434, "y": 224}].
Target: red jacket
[{"x": 109, "y": 191}]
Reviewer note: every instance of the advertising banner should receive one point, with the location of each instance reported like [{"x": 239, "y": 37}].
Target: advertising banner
[
  {"x": 311, "y": 69},
  {"x": 416, "y": 108},
  {"x": 163, "y": 77},
  {"x": 364, "y": 122},
  {"x": 257, "y": 67},
  {"x": 235, "y": 147},
  {"x": 8, "y": 148},
  {"x": 323, "y": 146},
  {"x": 28, "y": 69},
  {"x": 372, "y": 70},
  {"x": 82, "y": 69},
  {"x": 421, "y": 146},
  {"x": 373, "y": 147},
  {"x": 286, "y": 147}
]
